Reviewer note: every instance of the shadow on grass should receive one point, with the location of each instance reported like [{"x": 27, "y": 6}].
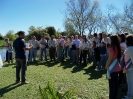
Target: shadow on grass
[
  {"x": 67, "y": 64},
  {"x": 94, "y": 74},
  {"x": 8, "y": 88},
  {"x": 7, "y": 65},
  {"x": 45, "y": 63},
  {"x": 77, "y": 68}
]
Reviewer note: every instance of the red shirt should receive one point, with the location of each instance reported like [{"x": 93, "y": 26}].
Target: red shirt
[{"x": 118, "y": 68}]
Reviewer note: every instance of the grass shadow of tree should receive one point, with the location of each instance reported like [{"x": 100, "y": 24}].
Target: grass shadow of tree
[
  {"x": 67, "y": 64},
  {"x": 94, "y": 74},
  {"x": 77, "y": 68}
]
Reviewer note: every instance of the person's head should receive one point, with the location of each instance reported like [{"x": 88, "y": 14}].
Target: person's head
[
  {"x": 91, "y": 36},
  {"x": 21, "y": 34},
  {"x": 122, "y": 37},
  {"x": 103, "y": 43},
  {"x": 94, "y": 43},
  {"x": 95, "y": 35},
  {"x": 76, "y": 36},
  {"x": 7, "y": 39},
  {"x": 84, "y": 36},
  {"x": 60, "y": 36},
  {"x": 52, "y": 37},
  {"x": 42, "y": 37},
  {"x": 104, "y": 35},
  {"x": 9, "y": 44},
  {"x": 80, "y": 38},
  {"x": 33, "y": 38},
  {"x": 129, "y": 40},
  {"x": 72, "y": 37},
  {"x": 30, "y": 37},
  {"x": 100, "y": 36},
  {"x": 115, "y": 44},
  {"x": 126, "y": 33}
]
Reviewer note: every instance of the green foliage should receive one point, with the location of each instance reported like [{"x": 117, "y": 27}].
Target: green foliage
[
  {"x": 49, "y": 92},
  {"x": 65, "y": 33},
  {"x": 11, "y": 35},
  {"x": 38, "y": 32},
  {"x": 1, "y": 37},
  {"x": 51, "y": 30}
]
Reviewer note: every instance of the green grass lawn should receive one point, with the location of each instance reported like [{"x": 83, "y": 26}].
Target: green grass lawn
[{"x": 88, "y": 83}]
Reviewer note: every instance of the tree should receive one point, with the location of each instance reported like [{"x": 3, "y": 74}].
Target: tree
[
  {"x": 69, "y": 29},
  {"x": 38, "y": 32},
  {"x": 79, "y": 12},
  {"x": 1, "y": 37},
  {"x": 11, "y": 35},
  {"x": 51, "y": 30},
  {"x": 128, "y": 12}
]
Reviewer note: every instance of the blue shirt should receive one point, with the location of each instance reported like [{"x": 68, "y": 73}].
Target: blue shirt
[
  {"x": 18, "y": 45},
  {"x": 77, "y": 43},
  {"x": 102, "y": 50}
]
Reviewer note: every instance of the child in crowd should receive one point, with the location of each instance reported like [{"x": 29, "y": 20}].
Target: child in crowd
[
  {"x": 95, "y": 54},
  {"x": 10, "y": 53},
  {"x": 103, "y": 56}
]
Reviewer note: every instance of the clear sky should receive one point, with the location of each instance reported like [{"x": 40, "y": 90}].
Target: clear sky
[{"x": 21, "y": 14}]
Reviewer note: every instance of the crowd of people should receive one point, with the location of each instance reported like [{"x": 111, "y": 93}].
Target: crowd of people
[{"x": 114, "y": 53}]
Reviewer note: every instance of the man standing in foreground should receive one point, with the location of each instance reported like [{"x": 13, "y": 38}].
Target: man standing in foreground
[{"x": 20, "y": 47}]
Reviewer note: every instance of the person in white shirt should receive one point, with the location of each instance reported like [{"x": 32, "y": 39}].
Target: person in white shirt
[
  {"x": 33, "y": 50},
  {"x": 70, "y": 49},
  {"x": 85, "y": 47},
  {"x": 52, "y": 47},
  {"x": 122, "y": 42},
  {"x": 60, "y": 49},
  {"x": 66, "y": 46},
  {"x": 128, "y": 69},
  {"x": 10, "y": 53},
  {"x": 106, "y": 39},
  {"x": 6, "y": 45},
  {"x": 43, "y": 43},
  {"x": 76, "y": 43},
  {"x": 95, "y": 38}
]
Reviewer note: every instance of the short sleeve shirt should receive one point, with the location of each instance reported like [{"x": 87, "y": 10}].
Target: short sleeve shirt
[{"x": 18, "y": 45}]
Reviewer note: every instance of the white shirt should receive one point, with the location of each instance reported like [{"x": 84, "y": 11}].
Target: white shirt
[
  {"x": 34, "y": 43},
  {"x": 96, "y": 40},
  {"x": 128, "y": 53},
  {"x": 106, "y": 40},
  {"x": 85, "y": 45},
  {"x": 70, "y": 44},
  {"x": 52, "y": 43},
  {"x": 42, "y": 41},
  {"x": 66, "y": 43},
  {"x": 123, "y": 46}
]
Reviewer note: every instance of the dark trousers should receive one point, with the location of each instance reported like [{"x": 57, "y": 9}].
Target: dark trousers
[
  {"x": 52, "y": 51},
  {"x": 113, "y": 86},
  {"x": 21, "y": 66},
  {"x": 81, "y": 56},
  {"x": 10, "y": 57},
  {"x": 66, "y": 51},
  {"x": 122, "y": 77},
  {"x": 85, "y": 56},
  {"x": 7, "y": 56}
]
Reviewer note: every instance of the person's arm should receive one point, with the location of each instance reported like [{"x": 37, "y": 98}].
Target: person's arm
[
  {"x": 28, "y": 48},
  {"x": 110, "y": 58},
  {"x": 24, "y": 46}
]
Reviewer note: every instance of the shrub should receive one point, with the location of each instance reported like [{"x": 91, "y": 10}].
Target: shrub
[{"x": 50, "y": 92}]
